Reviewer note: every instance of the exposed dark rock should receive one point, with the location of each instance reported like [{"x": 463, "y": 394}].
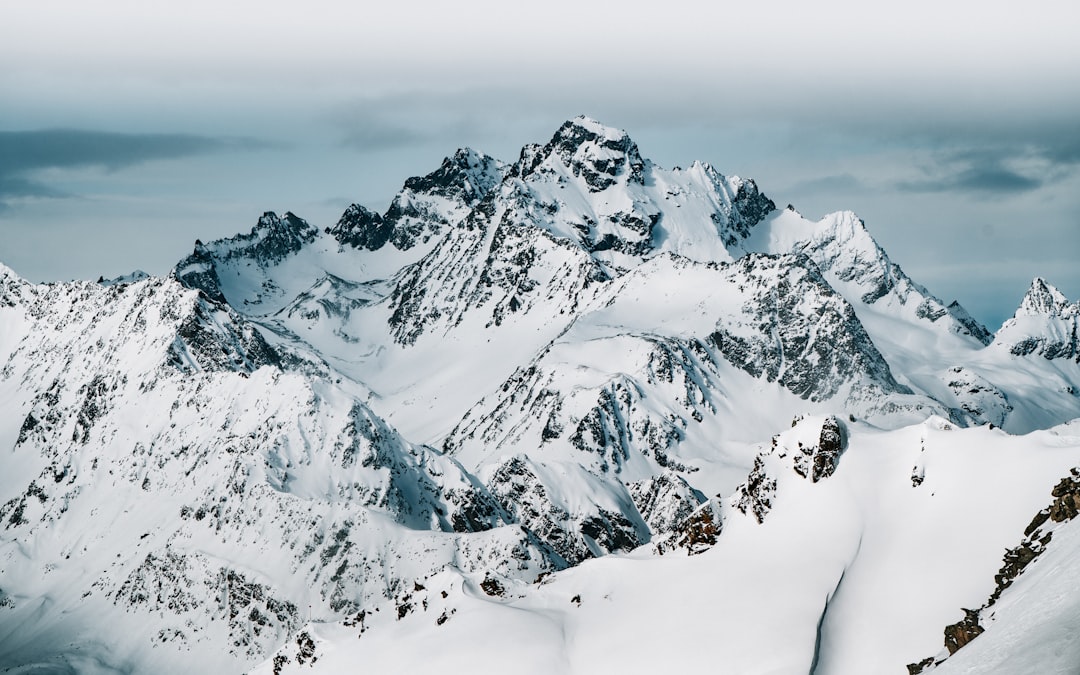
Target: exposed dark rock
[
  {"x": 812, "y": 348},
  {"x": 978, "y": 398},
  {"x": 1066, "y": 498},
  {"x": 749, "y": 207},
  {"x": 974, "y": 328},
  {"x": 922, "y": 666},
  {"x": 361, "y": 228},
  {"x": 217, "y": 339},
  {"x": 598, "y": 159},
  {"x": 833, "y": 441},
  {"x": 756, "y": 494},
  {"x": 272, "y": 240},
  {"x": 964, "y": 631},
  {"x": 930, "y": 310},
  {"x": 572, "y": 536},
  {"x": 493, "y": 587},
  {"x": 699, "y": 532},
  {"x": 665, "y": 501},
  {"x": 420, "y": 211},
  {"x": 199, "y": 271}
]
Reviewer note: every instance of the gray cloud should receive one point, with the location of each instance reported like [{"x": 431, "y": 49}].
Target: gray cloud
[
  {"x": 998, "y": 169},
  {"x": 15, "y": 186},
  {"x": 491, "y": 119},
  {"x": 375, "y": 136},
  {"x": 23, "y": 153},
  {"x": 992, "y": 179},
  {"x": 838, "y": 182}
]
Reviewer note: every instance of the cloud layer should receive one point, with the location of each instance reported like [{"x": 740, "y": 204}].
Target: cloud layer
[{"x": 25, "y": 154}]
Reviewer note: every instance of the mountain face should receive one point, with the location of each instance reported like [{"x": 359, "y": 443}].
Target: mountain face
[
  {"x": 1045, "y": 324},
  {"x": 420, "y": 424},
  {"x": 425, "y": 206}
]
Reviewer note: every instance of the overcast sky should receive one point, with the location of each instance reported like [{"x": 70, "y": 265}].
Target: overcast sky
[{"x": 130, "y": 128}]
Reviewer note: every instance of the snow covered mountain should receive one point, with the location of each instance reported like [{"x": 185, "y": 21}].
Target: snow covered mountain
[{"x": 546, "y": 401}]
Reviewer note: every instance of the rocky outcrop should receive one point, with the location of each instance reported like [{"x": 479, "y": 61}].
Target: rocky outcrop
[
  {"x": 491, "y": 273},
  {"x": 426, "y": 207},
  {"x": 813, "y": 461},
  {"x": 360, "y": 228},
  {"x": 666, "y": 502},
  {"x": 755, "y": 495},
  {"x": 973, "y": 326},
  {"x": 598, "y": 154}
]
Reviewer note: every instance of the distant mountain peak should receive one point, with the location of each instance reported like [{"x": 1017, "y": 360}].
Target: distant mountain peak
[
  {"x": 599, "y": 154},
  {"x": 360, "y": 228},
  {"x": 1044, "y": 323},
  {"x": 1043, "y": 299},
  {"x": 273, "y": 239},
  {"x": 467, "y": 174},
  {"x": 595, "y": 128}
]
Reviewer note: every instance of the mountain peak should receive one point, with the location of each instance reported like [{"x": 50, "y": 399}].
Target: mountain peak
[
  {"x": 466, "y": 174},
  {"x": 1044, "y": 323},
  {"x": 8, "y": 273},
  {"x": 360, "y": 228},
  {"x": 597, "y": 153},
  {"x": 595, "y": 128},
  {"x": 1042, "y": 299}
]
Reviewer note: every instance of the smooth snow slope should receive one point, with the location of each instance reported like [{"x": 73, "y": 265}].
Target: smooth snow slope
[{"x": 853, "y": 574}]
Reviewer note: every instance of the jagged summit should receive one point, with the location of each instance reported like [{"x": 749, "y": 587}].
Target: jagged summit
[
  {"x": 594, "y": 128},
  {"x": 271, "y": 239},
  {"x": 597, "y": 153},
  {"x": 1043, "y": 299},
  {"x": 1045, "y": 324},
  {"x": 467, "y": 174},
  {"x": 360, "y": 228},
  {"x": 425, "y": 207}
]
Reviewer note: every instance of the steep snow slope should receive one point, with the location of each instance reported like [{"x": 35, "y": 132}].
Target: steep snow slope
[
  {"x": 852, "y": 571},
  {"x": 1031, "y": 627}
]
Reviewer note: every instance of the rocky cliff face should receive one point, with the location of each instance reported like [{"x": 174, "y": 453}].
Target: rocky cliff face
[{"x": 795, "y": 330}]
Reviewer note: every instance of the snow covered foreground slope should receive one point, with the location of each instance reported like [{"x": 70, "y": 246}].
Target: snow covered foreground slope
[
  {"x": 396, "y": 426},
  {"x": 855, "y": 573}
]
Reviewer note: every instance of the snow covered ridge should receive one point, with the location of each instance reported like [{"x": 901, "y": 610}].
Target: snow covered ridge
[{"x": 545, "y": 401}]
